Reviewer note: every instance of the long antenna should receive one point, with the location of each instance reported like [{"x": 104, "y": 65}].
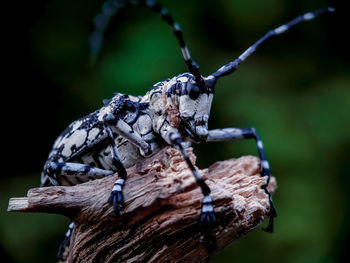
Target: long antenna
[
  {"x": 232, "y": 66},
  {"x": 110, "y": 8}
]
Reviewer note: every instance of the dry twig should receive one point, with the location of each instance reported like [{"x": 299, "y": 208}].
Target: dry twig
[{"x": 160, "y": 220}]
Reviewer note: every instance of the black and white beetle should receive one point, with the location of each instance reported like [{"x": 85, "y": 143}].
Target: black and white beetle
[{"x": 129, "y": 128}]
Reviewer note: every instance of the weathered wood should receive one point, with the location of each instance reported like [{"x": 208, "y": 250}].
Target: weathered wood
[{"x": 160, "y": 220}]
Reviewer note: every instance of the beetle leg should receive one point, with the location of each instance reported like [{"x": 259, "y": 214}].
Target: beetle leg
[
  {"x": 65, "y": 242},
  {"x": 111, "y": 123},
  {"x": 127, "y": 132},
  {"x": 248, "y": 133},
  {"x": 69, "y": 173},
  {"x": 207, "y": 217},
  {"x": 116, "y": 197}
]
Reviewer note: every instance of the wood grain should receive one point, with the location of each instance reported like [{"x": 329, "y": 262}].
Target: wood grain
[{"x": 160, "y": 219}]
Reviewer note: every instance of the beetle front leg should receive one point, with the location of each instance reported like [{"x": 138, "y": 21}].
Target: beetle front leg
[
  {"x": 249, "y": 133},
  {"x": 207, "y": 217}
]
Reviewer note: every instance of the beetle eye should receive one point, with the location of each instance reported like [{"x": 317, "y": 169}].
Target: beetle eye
[{"x": 193, "y": 92}]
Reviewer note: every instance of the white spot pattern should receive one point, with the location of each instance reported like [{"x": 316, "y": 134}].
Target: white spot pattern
[{"x": 77, "y": 138}]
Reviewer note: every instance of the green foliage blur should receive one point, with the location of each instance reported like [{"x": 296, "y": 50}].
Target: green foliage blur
[{"x": 295, "y": 90}]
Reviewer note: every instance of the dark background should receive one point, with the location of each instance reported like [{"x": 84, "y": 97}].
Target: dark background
[{"x": 295, "y": 90}]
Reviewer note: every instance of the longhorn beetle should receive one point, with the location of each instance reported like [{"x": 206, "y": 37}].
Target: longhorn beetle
[{"x": 129, "y": 128}]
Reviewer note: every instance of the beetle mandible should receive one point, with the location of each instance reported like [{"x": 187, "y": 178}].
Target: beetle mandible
[{"x": 129, "y": 128}]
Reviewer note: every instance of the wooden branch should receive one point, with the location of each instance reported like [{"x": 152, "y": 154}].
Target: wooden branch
[{"x": 160, "y": 220}]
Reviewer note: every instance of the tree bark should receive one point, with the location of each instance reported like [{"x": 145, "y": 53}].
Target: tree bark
[{"x": 160, "y": 218}]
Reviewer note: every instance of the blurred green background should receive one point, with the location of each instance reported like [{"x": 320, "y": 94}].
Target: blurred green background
[{"x": 295, "y": 90}]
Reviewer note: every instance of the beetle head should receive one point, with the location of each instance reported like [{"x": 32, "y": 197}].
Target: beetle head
[{"x": 193, "y": 103}]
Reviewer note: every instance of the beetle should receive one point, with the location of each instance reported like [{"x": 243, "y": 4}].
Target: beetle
[{"x": 130, "y": 128}]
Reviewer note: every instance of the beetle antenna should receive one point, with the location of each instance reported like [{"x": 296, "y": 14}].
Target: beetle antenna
[
  {"x": 109, "y": 9},
  {"x": 232, "y": 66}
]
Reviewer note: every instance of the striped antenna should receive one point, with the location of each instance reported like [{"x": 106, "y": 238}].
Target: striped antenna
[
  {"x": 110, "y": 8},
  {"x": 232, "y": 66}
]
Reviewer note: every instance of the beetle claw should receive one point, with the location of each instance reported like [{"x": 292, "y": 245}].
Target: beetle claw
[
  {"x": 208, "y": 219},
  {"x": 116, "y": 198}
]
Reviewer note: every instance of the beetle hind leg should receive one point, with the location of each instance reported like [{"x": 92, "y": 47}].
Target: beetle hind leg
[
  {"x": 69, "y": 173},
  {"x": 65, "y": 242}
]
